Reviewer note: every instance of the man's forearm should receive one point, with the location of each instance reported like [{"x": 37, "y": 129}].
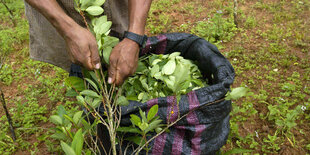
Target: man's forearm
[
  {"x": 51, "y": 10},
  {"x": 138, "y": 11}
]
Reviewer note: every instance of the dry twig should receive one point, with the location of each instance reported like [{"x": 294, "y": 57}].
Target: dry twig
[{"x": 2, "y": 99}]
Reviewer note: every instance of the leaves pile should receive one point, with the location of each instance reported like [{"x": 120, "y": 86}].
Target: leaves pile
[{"x": 161, "y": 76}]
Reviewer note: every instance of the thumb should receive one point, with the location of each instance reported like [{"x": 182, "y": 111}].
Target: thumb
[{"x": 95, "y": 56}]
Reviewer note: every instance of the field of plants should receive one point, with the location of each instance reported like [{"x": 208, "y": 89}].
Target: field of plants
[{"x": 267, "y": 42}]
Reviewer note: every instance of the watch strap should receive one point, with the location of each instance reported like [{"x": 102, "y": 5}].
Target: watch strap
[{"x": 139, "y": 39}]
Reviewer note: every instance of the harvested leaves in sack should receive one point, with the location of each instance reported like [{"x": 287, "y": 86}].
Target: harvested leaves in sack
[{"x": 161, "y": 76}]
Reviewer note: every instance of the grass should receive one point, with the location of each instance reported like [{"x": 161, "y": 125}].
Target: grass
[
  {"x": 32, "y": 89},
  {"x": 269, "y": 51}
]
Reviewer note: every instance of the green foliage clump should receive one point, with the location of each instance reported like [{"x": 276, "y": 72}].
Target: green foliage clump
[
  {"x": 161, "y": 76},
  {"x": 217, "y": 29},
  {"x": 6, "y": 72},
  {"x": 71, "y": 129},
  {"x": 141, "y": 126}
]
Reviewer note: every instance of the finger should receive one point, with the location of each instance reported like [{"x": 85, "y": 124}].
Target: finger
[
  {"x": 95, "y": 56},
  {"x": 112, "y": 72},
  {"x": 87, "y": 63},
  {"x": 119, "y": 77}
]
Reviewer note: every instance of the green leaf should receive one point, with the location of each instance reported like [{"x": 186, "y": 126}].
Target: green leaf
[
  {"x": 128, "y": 129},
  {"x": 94, "y": 77},
  {"x": 80, "y": 100},
  {"x": 152, "y": 112},
  {"x": 68, "y": 118},
  {"x": 154, "y": 70},
  {"x": 109, "y": 41},
  {"x": 141, "y": 67},
  {"x": 136, "y": 139},
  {"x": 77, "y": 143},
  {"x": 174, "y": 54},
  {"x": 236, "y": 93},
  {"x": 86, "y": 125},
  {"x": 154, "y": 124},
  {"x": 56, "y": 119},
  {"x": 102, "y": 28},
  {"x": 142, "y": 114},
  {"x": 99, "y": 20},
  {"x": 143, "y": 126},
  {"x": 92, "y": 83},
  {"x": 140, "y": 96},
  {"x": 67, "y": 149},
  {"x": 75, "y": 82},
  {"x": 181, "y": 75},
  {"x": 94, "y": 10},
  {"x": 135, "y": 120},
  {"x": 77, "y": 116},
  {"x": 143, "y": 81},
  {"x": 59, "y": 136},
  {"x": 158, "y": 76},
  {"x": 98, "y": 2},
  {"x": 85, "y": 4},
  {"x": 169, "y": 67},
  {"x": 170, "y": 82},
  {"x": 61, "y": 110},
  {"x": 96, "y": 102},
  {"x": 122, "y": 101},
  {"x": 158, "y": 129},
  {"x": 71, "y": 93},
  {"x": 237, "y": 151},
  {"x": 106, "y": 52},
  {"x": 90, "y": 93}
]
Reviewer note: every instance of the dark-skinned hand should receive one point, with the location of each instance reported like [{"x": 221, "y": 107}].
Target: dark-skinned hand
[
  {"x": 82, "y": 47},
  {"x": 123, "y": 61}
]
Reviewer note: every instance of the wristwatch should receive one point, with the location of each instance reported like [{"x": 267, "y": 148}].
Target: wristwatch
[{"x": 139, "y": 39}]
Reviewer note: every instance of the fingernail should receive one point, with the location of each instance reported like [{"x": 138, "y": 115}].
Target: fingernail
[
  {"x": 109, "y": 80},
  {"x": 97, "y": 66}
]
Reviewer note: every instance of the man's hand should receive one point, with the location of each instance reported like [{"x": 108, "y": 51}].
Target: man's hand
[
  {"x": 125, "y": 55},
  {"x": 81, "y": 44},
  {"x": 123, "y": 61},
  {"x": 82, "y": 47}
]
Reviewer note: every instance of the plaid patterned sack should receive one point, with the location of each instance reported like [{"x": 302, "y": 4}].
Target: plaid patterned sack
[{"x": 205, "y": 129}]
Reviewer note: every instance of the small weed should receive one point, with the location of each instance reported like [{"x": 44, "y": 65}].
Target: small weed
[
  {"x": 6, "y": 72},
  {"x": 250, "y": 22},
  {"x": 271, "y": 143}
]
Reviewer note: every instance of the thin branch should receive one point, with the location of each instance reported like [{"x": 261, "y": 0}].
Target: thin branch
[{"x": 7, "y": 115}]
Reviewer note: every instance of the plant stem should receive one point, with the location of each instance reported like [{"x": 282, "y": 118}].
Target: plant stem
[
  {"x": 112, "y": 130},
  {"x": 110, "y": 125}
]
